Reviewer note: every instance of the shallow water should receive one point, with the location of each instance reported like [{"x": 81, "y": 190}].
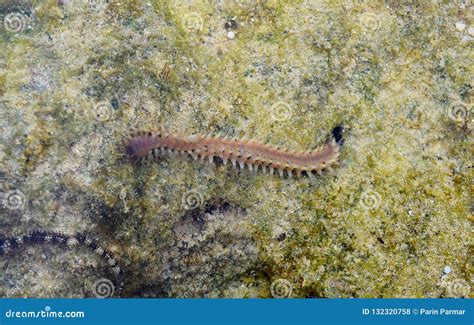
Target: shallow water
[{"x": 388, "y": 221}]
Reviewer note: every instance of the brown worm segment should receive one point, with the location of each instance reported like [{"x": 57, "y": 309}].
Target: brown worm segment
[{"x": 239, "y": 152}]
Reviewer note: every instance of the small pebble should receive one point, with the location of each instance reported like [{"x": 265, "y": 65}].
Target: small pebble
[
  {"x": 447, "y": 269},
  {"x": 467, "y": 39},
  {"x": 230, "y": 35},
  {"x": 470, "y": 31},
  {"x": 460, "y": 25}
]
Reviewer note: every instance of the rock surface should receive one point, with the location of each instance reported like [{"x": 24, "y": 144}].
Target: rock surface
[{"x": 76, "y": 76}]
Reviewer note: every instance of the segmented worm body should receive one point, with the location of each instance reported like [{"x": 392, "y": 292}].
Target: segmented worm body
[
  {"x": 11, "y": 245},
  {"x": 239, "y": 152}
]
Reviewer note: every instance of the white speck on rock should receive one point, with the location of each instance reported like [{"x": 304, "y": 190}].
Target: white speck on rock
[
  {"x": 230, "y": 35},
  {"x": 467, "y": 39},
  {"x": 460, "y": 25},
  {"x": 447, "y": 269},
  {"x": 470, "y": 31}
]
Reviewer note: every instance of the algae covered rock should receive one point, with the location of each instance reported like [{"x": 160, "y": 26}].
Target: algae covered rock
[{"x": 77, "y": 76}]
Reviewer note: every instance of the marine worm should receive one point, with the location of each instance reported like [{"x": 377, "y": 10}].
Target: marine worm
[
  {"x": 240, "y": 153},
  {"x": 11, "y": 245}
]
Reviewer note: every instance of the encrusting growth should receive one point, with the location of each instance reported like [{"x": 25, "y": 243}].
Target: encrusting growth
[{"x": 239, "y": 152}]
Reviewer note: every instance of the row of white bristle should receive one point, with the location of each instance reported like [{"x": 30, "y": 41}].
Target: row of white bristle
[{"x": 251, "y": 167}]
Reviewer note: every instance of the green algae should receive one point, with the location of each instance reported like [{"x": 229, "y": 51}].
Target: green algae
[{"x": 384, "y": 223}]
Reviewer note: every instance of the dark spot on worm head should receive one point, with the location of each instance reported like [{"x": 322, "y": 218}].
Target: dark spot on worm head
[
  {"x": 337, "y": 132},
  {"x": 129, "y": 151}
]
